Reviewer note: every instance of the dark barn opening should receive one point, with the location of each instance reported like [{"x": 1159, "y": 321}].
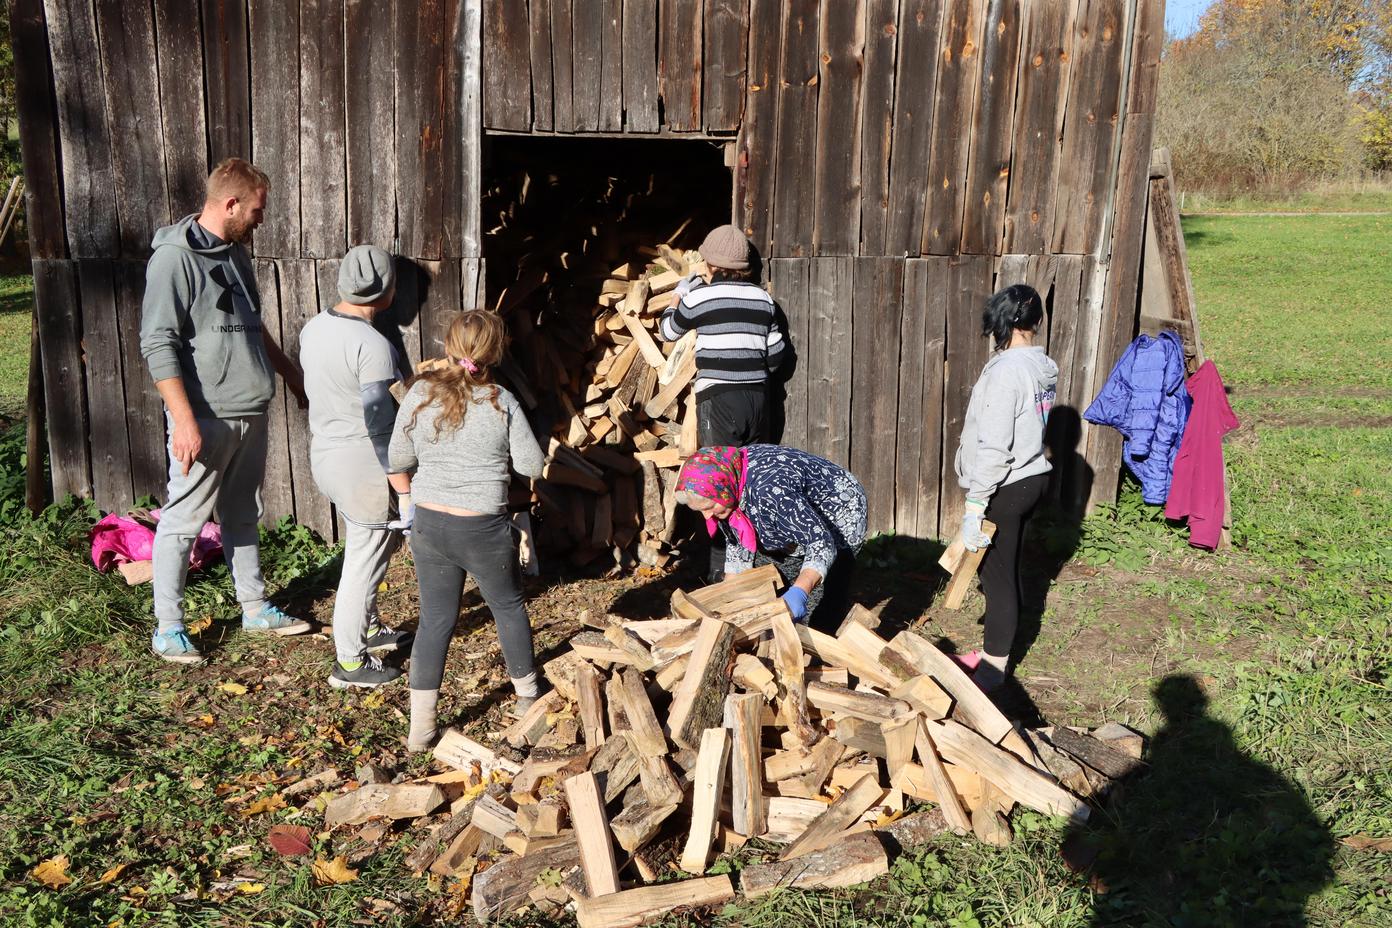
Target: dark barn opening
[{"x": 570, "y": 228}]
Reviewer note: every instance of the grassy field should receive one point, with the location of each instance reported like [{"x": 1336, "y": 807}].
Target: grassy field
[
  {"x": 16, "y": 309},
  {"x": 1261, "y": 675}
]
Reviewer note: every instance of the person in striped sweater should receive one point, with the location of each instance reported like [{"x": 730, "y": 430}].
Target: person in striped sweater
[{"x": 739, "y": 345}]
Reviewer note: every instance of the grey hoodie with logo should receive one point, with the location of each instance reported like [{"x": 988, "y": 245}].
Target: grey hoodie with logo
[
  {"x": 1003, "y": 434},
  {"x": 201, "y": 320}
]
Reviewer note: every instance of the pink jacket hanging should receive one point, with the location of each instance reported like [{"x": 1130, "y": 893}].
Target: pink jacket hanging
[{"x": 1197, "y": 488}]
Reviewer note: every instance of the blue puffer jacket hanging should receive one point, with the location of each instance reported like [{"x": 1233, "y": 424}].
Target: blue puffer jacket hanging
[{"x": 1144, "y": 399}]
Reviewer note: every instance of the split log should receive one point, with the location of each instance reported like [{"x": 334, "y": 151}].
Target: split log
[
  {"x": 634, "y": 907},
  {"x": 492, "y": 817},
  {"x": 532, "y": 725},
  {"x": 640, "y": 822},
  {"x": 461, "y": 852},
  {"x": 870, "y": 706},
  {"x": 698, "y": 702},
  {"x": 538, "y": 769},
  {"x": 787, "y": 662},
  {"x": 839, "y": 816},
  {"x": 746, "y": 780},
  {"x": 503, "y": 887},
  {"x": 975, "y": 707},
  {"x": 858, "y": 859},
  {"x": 1121, "y": 738},
  {"x": 592, "y": 832},
  {"x": 832, "y": 651},
  {"x": 591, "y": 704},
  {"x": 751, "y": 674},
  {"x": 616, "y": 765},
  {"x": 1020, "y": 782},
  {"x": 645, "y": 731},
  {"x": 789, "y": 817},
  {"x": 462, "y": 752},
  {"x": 1093, "y": 753},
  {"x": 964, "y": 570},
  {"x": 383, "y": 800},
  {"x": 946, "y": 794},
  {"x": 540, "y": 819},
  {"x": 705, "y": 800},
  {"x": 659, "y": 783}
]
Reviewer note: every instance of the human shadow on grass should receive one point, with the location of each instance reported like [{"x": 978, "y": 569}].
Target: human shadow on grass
[{"x": 1204, "y": 834}]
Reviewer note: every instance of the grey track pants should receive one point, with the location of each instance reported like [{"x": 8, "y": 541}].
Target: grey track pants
[
  {"x": 351, "y": 477},
  {"x": 225, "y": 480},
  {"x": 446, "y": 547}
]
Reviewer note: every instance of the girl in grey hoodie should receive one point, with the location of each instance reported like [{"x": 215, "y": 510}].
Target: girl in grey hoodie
[{"x": 1001, "y": 462}]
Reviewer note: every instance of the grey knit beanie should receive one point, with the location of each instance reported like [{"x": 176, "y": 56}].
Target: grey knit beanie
[
  {"x": 366, "y": 274},
  {"x": 726, "y": 246}
]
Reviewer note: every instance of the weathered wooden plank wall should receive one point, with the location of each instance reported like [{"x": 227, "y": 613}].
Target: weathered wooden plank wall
[{"x": 894, "y": 161}]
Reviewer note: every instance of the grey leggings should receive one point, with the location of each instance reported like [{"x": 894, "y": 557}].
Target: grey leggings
[{"x": 446, "y": 547}]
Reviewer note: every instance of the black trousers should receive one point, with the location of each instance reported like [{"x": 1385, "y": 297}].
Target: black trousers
[
  {"x": 1010, "y": 509},
  {"x": 830, "y": 600},
  {"x": 730, "y": 417}
]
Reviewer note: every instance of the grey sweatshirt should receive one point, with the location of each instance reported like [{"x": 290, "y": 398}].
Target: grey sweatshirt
[
  {"x": 1003, "y": 434},
  {"x": 201, "y": 320},
  {"x": 466, "y": 468}
]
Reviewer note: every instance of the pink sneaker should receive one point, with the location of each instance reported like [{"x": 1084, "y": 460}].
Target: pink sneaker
[{"x": 968, "y": 661}]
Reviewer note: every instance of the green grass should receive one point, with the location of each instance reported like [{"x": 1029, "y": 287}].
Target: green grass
[
  {"x": 1252, "y": 782},
  {"x": 16, "y": 309}
]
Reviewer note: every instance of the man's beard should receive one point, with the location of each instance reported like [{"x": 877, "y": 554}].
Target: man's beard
[{"x": 238, "y": 230}]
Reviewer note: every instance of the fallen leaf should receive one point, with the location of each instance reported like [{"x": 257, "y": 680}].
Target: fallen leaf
[
  {"x": 1368, "y": 843},
  {"x": 53, "y": 872},
  {"x": 374, "y": 700},
  {"x": 198, "y": 626},
  {"x": 203, "y": 721},
  {"x": 251, "y": 889},
  {"x": 332, "y": 872},
  {"x": 235, "y": 689},
  {"x": 289, "y": 840},
  {"x": 269, "y": 803},
  {"x": 110, "y": 875}
]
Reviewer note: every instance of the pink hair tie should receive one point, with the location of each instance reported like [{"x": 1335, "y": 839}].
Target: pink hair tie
[{"x": 469, "y": 365}]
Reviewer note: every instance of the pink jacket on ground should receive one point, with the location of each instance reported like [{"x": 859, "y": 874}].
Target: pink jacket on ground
[
  {"x": 117, "y": 539},
  {"x": 1197, "y": 487}
]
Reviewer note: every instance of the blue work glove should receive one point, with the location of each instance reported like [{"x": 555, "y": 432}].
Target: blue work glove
[
  {"x": 973, "y": 538},
  {"x": 797, "y": 602}
]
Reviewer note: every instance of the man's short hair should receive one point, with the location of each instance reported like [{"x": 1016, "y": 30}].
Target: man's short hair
[{"x": 236, "y": 177}]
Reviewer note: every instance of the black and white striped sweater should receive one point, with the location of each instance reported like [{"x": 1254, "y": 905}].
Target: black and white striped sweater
[{"x": 738, "y": 342}]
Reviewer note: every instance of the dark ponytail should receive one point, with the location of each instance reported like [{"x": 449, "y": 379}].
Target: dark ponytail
[{"x": 1015, "y": 307}]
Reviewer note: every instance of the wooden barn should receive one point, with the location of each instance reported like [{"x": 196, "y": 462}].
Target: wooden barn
[{"x": 894, "y": 161}]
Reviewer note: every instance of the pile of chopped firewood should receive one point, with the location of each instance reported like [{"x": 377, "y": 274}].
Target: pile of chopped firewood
[{"x": 727, "y": 726}]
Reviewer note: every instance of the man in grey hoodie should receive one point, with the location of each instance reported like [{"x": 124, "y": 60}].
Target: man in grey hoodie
[{"x": 212, "y": 361}]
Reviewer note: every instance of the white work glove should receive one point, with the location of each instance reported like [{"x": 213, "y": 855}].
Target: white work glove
[
  {"x": 686, "y": 283},
  {"x": 406, "y": 514},
  {"x": 973, "y": 538}
]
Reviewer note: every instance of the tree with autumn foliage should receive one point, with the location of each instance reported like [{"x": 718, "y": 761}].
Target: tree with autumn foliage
[{"x": 1270, "y": 93}]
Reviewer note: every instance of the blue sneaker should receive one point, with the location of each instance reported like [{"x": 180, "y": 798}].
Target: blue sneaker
[
  {"x": 175, "y": 647},
  {"x": 271, "y": 621}
]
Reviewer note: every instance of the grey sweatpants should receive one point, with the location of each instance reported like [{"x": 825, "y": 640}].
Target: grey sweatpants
[
  {"x": 351, "y": 476},
  {"x": 225, "y": 480}
]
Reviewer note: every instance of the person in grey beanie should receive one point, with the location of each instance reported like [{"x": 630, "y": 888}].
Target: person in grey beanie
[
  {"x": 212, "y": 362},
  {"x": 739, "y": 345},
  {"x": 350, "y": 368}
]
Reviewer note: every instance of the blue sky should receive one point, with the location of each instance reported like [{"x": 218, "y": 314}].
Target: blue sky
[{"x": 1182, "y": 16}]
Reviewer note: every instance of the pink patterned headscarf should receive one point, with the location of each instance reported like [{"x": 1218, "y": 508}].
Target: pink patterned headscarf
[{"x": 718, "y": 474}]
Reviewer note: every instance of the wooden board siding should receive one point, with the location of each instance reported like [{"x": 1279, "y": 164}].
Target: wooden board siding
[
  {"x": 132, "y": 91},
  {"x": 679, "y": 68},
  {"x": 225, "y": 79},
  {"x": 920, "y": 34},
  {"x": 793, "y": 193},
  {"x": 639, "y": 65},
  {"x": 878, "y": 312},
  {"x": 988, "y": 171},
  {"x": 65, "y": 395},
  {"x": 1000, "y": 138},
  {"x": 144, "y": 410},
  {"x": 726, "y": 34},
  {"x": 278, "y": 489},
  {"x": 959, "y": 68},
  {"x": 275, "y": 125},
  {"x": 841, "y": 37},
  {"x": 918, "y": 448},
  {"x": 830, "y": 294},
  {"x": 1094, "y": 97},
  {"x": 877, "y": 122},
  {"x": 102, "y": 364},
  {"x": 967, "y": 283},
  {"x": 1045, "y": 58}
]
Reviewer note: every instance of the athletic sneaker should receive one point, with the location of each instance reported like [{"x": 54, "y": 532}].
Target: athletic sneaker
[
  {"x": 384, "y": 638},
  {"x": 369, "y": 674},
  {"x": 271, "y": 621},
  {"x": 175, "y": 647}
]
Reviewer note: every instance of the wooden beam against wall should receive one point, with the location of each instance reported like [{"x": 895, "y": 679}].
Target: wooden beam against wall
[
  {"x": 144, "y": 410},
  {"x": 507, "y": 65},
  {"x": 467, "y": 168},
  {"x": 370, "y": 104},
  {"x": 278, "y": 488},
  {"x": 830, "y": 328},
  {"x": 65, "y": 394},
  {"x": 988, "y": 170},
  {"x": 877, "y": 122},
  {"x": 921, "y": 364},
  {"x": 920, "y": 34},
  {"x": 968, "y": 286},
  {"x": 275, "y": 126},
  {"x": 758, "y": 135},
  {"x": 323, "y": 201},
  {"x": 226, "y": 79},
  {"x": 639, "y": 65},
  {"x": 539, "y": 15},
  {"x": 587, "y": 54},
  {"x": 878, "y": 308},
  {"x": 726, "y": 37},
  {"x": 836, "y": 214},
  {"x": 38, "y": 137},
  {"x": 101, "y": 343},
  {"x": 959, "y": 72},
  {"x": 788, "y": 282}
]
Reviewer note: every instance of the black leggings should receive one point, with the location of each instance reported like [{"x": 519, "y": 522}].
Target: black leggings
[
  {"x": 730, "y": 417},
  {"x": 1010, "y": 509},
  {"x": 444, "y": 548}
]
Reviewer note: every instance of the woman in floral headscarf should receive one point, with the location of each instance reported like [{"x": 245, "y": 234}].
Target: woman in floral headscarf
[{"x": 786, "y": 507}]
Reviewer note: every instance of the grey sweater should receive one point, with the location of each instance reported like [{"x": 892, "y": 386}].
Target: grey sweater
[
  {"x": 201, "y": 321},
  {"x": 1003, "y": 434},
  {"x": 466, "y": 468}
]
